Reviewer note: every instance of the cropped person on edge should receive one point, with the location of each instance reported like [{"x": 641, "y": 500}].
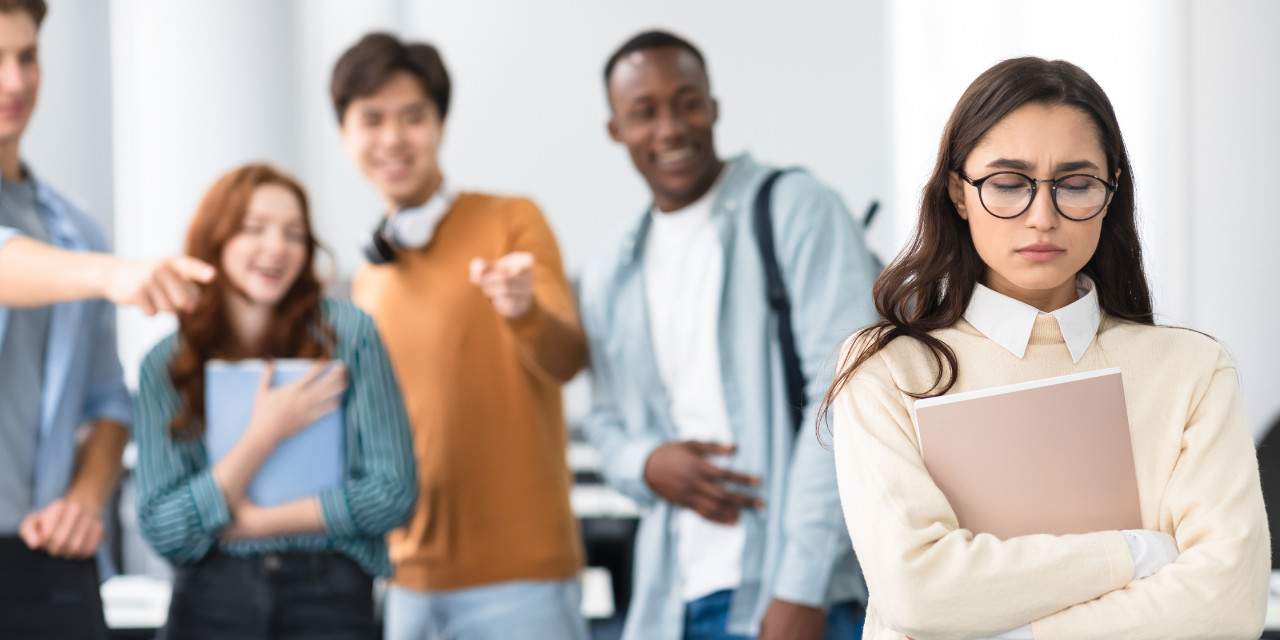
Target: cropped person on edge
[
  {"x": 64, "y": 409},
  {"x": 1026, "y": 265},
  {"x": 689, "y": 398},
  {"x": 469, "y": 292},
  {"x": 303, "y": 569}
]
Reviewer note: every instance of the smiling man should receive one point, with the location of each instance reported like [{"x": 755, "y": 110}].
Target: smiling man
[
  {"x": 64, "y": 408},
  {"x": 745, "y": 536},
  {"x": 468, "y": 292}
]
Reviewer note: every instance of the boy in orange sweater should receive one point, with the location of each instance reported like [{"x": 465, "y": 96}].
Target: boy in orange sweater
[{"x": 469, "y": 294}]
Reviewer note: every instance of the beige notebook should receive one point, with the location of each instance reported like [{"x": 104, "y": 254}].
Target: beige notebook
[{"x": 1047, "y": 456}]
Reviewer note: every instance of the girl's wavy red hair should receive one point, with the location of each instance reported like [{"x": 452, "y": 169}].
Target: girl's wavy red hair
[{"x": 204, "y": 333}]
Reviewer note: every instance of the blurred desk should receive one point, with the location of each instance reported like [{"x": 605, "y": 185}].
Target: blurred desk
[
  {"x": 1272, "y": 627},
  {"x": 590, "y": 496},
  {"x": 135, "y": 606},
  {"x": 600, "y": 501},
  {"x": 608, "y": 521}
]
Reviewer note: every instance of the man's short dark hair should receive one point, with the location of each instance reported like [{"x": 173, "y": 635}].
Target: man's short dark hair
[
  {"x": 652, "y": 40},
  {"x": 369, "y": 63},
  {"x": 34, "y": 8}
]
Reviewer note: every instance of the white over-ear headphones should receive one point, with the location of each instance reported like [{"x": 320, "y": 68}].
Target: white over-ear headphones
[{"x": 410, "y": 228}]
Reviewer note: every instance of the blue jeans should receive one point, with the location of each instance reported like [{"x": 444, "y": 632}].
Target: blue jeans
[
  {"x": 707, "y": 617},
  {"x": 530, "y": 610}
]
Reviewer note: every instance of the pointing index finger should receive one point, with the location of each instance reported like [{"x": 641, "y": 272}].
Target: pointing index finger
[
  {"x": 479, "y": 268},
  {"x": 516, "y": 262},
  {"x": 193, "y": 269}
]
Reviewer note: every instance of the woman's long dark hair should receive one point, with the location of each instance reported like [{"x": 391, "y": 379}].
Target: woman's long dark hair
[
  {"x": 929, "y": 284},
  {"x": 205, "y": 332}
]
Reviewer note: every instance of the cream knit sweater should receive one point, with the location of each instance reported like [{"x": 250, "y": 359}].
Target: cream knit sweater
[{"x": 1197, "y": 480}]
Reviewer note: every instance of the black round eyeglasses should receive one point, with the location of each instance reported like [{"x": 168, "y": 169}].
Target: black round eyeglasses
[{"x": 1008, "y": 194}]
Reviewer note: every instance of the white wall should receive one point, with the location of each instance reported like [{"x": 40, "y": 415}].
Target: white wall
[
  {"x": 1234, "y": 212},
  {"x": 199, "y": 88},
  {"x": 344, "y": 204},
  {"x": 1196, "y": 88},
  {"x": 142, "y": 109},
  {"x": 69, "y": 140},
  {"x": 939, "y": 48},
  {"x": 528, "y": 109}
]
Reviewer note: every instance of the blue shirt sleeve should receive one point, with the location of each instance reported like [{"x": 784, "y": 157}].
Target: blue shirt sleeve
[
  {"x": 106, "y": 397},
  {"x": 623, "y": 453},
  {"x": 828, "y": 273}
]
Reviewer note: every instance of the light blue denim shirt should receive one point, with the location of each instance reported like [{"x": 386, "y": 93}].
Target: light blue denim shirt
[
  {"x": 797, "y": 547},
  {"x": 83, "y": 378}
]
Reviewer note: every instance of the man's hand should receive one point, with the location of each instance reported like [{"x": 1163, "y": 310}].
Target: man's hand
[
  {"x": 790, "y": 621},
  {"x": 154, "y": 286},
  {"x": 681, "y": 475},
  {"x": 508, "y": 281},
  {"x": 64, "y": 529},
  {"x": 35, "y": 274}
]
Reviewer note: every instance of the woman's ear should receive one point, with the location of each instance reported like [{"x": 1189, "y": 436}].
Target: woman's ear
[{"x": 955, "y": 188}]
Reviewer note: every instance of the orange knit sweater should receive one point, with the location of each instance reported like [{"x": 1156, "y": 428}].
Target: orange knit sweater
[{"x": 484, "y": 402}]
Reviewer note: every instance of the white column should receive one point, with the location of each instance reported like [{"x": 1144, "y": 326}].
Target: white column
[
  {"x": 1234, "y": 217},
  {"x": 68, "y": 143},
  {"x": 200, "y": 87}
]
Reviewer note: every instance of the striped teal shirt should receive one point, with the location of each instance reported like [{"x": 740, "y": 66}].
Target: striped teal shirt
[{"x": 182, "y": 509}]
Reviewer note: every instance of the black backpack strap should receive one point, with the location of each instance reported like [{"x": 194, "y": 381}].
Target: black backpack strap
[{"x": 762, "y": 223}]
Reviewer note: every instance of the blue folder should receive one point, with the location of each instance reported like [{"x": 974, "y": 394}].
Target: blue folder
[{"x": 303, "y": 465}]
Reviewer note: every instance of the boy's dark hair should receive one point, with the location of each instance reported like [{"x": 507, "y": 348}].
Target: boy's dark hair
[
  {"x": 35, "y": 8},
  {"x": 652, "y": 40},
  {"x": 367, "y": 65}
]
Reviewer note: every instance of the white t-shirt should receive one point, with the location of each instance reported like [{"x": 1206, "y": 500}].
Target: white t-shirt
[{"x": 683, "y": 280}]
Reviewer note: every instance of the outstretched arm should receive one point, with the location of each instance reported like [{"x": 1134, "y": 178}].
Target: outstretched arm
[
  {"x": 34, "y": 274},
  {"x": 529, "y": 290}
]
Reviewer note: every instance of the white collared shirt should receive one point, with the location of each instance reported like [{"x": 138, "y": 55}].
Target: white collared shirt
[{"x": 1008, "y": 322}]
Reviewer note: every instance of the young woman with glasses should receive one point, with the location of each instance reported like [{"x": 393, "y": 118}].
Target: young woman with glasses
[
  {"x": 305, "y": 568},
  {"x": 1025, "y": 264}
]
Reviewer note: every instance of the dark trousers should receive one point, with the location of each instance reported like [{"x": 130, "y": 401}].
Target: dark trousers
[
  {"x": 45, "y": 597},
  {"x": 275, "y": 596}
]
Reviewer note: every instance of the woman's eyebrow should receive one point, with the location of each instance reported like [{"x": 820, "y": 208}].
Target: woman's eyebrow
[
  {"x": 1023, "y": 165},
  {"x": 1009, "y": 163}
]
